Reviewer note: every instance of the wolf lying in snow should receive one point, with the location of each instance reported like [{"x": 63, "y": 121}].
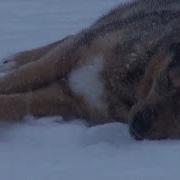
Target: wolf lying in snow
[{"x": 125, "y": 67}]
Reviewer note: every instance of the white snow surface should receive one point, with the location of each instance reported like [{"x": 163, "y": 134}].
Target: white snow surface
[{"x": 50, "y": 149}]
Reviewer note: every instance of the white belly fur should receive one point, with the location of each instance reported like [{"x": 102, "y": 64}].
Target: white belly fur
[{"x": 86, "y": 81}]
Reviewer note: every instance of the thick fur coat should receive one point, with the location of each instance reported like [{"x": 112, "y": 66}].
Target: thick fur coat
[{"x": 124, "y": 67}]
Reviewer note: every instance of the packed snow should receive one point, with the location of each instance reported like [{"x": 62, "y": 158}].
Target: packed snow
[{"x": 50, "y": 149}]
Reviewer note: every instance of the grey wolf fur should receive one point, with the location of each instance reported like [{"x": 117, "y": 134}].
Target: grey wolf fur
[{"x": 129, "y": 60}]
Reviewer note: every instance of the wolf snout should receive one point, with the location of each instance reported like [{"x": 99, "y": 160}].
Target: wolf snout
[{"x": 141, "y": 123}]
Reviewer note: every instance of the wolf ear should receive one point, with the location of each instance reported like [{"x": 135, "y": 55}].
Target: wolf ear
[{"x": 175, "y": 50}]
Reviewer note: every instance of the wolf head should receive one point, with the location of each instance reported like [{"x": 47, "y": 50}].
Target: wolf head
[{"x": 157, "y": 112}]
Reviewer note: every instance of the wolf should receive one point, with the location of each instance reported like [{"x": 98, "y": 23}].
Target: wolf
[{"x": 125, "y": 67}]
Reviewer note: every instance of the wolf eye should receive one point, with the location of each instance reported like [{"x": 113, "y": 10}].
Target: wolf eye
[{"x": 174, "y": 63}]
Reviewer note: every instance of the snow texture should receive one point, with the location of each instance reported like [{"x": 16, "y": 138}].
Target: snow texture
[{"x": 50, "y": 149}]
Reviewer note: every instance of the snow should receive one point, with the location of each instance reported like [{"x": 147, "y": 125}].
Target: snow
[{"x": 50, "y": 149}]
